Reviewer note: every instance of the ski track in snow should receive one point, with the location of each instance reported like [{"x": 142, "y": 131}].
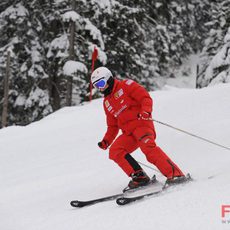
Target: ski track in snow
[{"x": 45, "y": 165}]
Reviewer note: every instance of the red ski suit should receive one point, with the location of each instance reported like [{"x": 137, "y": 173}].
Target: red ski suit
[{"x": 122, "y": 107}]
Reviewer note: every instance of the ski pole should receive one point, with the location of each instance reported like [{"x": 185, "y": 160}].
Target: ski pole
[
  {"x": 191, "y": 134},
  {"x": 147, "y": 166}
]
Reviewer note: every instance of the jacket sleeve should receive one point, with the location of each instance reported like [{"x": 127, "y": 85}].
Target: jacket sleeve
[
  {"x": 139, "y": 94},
  {"x": 112, "y": 128}
]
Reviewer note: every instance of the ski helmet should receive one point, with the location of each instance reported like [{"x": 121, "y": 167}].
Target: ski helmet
[{"x": 100, "y": 77}]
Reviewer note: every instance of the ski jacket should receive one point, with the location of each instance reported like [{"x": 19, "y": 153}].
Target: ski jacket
[{"x": 122, "y": 107}]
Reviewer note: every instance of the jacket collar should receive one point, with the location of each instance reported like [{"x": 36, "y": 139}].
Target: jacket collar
[{"x": 115, "y": 85}]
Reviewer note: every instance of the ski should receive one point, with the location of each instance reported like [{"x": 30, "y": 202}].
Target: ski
[
  {"x": 123, "y": 199},
  {"x": 80, "y": 204},
  {"x": 127, "y": 200}
]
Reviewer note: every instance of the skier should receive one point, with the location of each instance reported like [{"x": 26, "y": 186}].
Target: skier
[{"x": 128, "y": 107}]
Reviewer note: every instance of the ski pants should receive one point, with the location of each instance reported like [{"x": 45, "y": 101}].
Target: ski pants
[{"x": 143, "y": 137}]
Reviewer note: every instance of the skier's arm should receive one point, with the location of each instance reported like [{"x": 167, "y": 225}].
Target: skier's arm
[
  {"x": 112, "y": 129},
  {"x": 140, "y": 94}
]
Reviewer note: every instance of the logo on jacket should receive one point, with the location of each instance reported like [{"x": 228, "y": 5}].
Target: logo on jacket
[
  {"x": 119, "y": 93},
  {"x": 106, "y": 104},
  {"x": 120, "y": 110},
  {"x": 129, "y": 82}
]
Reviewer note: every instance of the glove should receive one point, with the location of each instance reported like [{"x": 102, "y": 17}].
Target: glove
[
  {"x": 144, "y": 116},
  {"x": 103, "y": 144}
]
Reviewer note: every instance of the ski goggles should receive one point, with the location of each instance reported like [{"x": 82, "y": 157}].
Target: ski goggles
[{"x": 100, "y": 84}]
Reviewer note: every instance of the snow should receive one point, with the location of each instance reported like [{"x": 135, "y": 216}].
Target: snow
[
  {"x": 71, "y": 67},
  {"x": 94, "y": 32},
  {"x": 221, "y": 59},
  {"x": 71, "y": 15},
  {"x": 217, "y": 66},
  {"x": 48, "y": 163},
  {"x": 35, "y": 71},
  {"x": 105, "y": 4},
  {"x": 15, "y": 11},
  {"x": 20, "y": 100},
  {"x": 59, "y": 45},
  {"x": 39, "y": 96},
  {"x": 185, "y": 76},
  {"x": 227, "y": 36},
  {"x": 101, "y": 54},
  {"x": 36, "y": 55}
]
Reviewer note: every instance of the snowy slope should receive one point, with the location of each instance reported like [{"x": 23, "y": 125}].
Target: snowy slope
[{"x": 48, "y": 163}]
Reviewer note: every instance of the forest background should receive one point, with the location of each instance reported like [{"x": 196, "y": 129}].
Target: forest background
[{"x": 49, "y": 46}]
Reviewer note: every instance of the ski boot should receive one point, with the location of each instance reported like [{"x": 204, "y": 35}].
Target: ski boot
[
  {"x": 178, "y": 180},
  {"x": 139, "y": 179}
]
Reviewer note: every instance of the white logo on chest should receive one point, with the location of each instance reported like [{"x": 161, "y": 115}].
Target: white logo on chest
[{"x": 120, "y": 110}]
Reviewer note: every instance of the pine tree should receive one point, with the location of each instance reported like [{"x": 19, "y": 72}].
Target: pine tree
[
  {"x": 37, "y": 35},
  {"x": 215, "y": 43},
  {"x": 28, "y": 99},
  {"x": 87, "y": 35},
  {"x": 128, "y": 47}
]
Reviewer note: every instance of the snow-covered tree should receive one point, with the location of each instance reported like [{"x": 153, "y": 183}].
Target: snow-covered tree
[
  {"x": 144, "y": 40},
  {"x": 36, "y": 33},
  {"x": 214, "y": 56},
  {"x": 218, "y": 70},
  {"x": 28, "y": 99},
  {"x": 129, "y": 48},
  {"x": 87, "y": 36}
]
